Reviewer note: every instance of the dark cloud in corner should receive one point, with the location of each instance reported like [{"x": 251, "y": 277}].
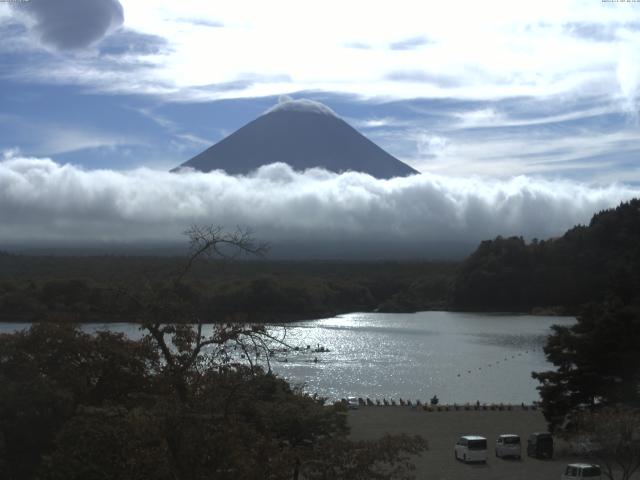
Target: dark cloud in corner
[{"x": 72, "y": 24}]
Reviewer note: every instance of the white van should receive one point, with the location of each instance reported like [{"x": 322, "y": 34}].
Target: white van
[
  {"x": 471, "y": 448},
  {"x": 508, "y": 445},
  {"x": 575, "y": 471}
]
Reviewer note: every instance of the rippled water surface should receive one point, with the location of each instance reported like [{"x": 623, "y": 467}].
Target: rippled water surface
[{"x": 460, "y": 357}]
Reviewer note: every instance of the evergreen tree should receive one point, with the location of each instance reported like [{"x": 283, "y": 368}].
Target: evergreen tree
[{"x": 597, "y": 364}]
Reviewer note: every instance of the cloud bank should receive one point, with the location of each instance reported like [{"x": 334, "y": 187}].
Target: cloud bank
[
  {"x": 44, "y": 202},
  {"x": 71, "y": 24}
]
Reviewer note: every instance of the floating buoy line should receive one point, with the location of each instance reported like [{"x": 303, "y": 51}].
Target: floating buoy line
[{"x": 498, "y": 362}]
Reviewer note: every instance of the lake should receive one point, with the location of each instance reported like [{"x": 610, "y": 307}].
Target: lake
[{"x": 460, "y": 357}]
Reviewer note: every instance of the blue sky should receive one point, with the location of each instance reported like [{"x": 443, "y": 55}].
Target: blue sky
[
  {"x": 469, "y": 91},
  {"x": 550, "y": 89}
]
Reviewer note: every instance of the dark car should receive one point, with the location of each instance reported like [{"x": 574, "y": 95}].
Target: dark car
[{"x": 540, "y": 445}]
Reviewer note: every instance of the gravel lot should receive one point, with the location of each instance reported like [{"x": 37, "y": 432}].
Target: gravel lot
[{"x": 442, "y": 429}]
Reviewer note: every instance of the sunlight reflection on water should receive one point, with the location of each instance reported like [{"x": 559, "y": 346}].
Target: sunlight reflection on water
[{"x": 461, "y": 357}]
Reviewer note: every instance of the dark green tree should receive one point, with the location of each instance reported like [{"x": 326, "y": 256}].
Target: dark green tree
[
  {"x": 49, "y": 370},
  {"x": 597, "y": 364},
  {"x": 594, "y": 263}
]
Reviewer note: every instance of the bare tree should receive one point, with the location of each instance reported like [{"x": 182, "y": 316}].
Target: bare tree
[
  {"x": 171, "y": 319},
  {"x": 611, "y": 436},
  {"x": 214, "y": 241}
]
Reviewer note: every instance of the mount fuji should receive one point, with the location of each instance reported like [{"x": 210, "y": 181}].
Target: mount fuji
[{"x": 304, "y": 134}]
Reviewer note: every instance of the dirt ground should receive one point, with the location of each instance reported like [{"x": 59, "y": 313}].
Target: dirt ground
[{"x": 442, "y": 429}]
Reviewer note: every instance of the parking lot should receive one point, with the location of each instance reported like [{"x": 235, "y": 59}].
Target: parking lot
[{"x": 442, "y": 429}]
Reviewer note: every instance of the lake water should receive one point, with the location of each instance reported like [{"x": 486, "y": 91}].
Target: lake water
[{"x": 460, "y": 357}]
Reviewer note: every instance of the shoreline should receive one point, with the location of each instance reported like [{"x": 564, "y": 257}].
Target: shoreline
[
  {"x": 449, "y": 407},
  {"x": 88, "y": 318}
]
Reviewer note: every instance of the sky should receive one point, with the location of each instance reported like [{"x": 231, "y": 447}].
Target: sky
[{"x": 523, "y": 117}]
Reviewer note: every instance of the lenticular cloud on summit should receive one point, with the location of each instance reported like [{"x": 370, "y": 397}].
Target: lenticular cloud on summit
[{"x": 42, "y": 201}]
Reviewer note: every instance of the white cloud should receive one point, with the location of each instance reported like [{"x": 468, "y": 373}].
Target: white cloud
[
  {"x": 64, "y": 140},
  {"x": 43, "y": 201},
  {"x": 431, "y": 145},
  {"x": 463, "y": 49},
  {"x": 628, "y": 73},
  {"x": 195, "y": 139},
  {"x": 486, "y": 117},
  {"x": 376, "y": 122},
  {"x": 529, "y": 153},
  {"x": 52, "y": 139},
  {"x": 489, "y": 117}
]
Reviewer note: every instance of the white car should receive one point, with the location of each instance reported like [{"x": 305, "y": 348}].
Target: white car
[
  {"x": 352, "y": 403},
  {"x": 575, "y": 471},
  {"x": 508, "y": 445},
  {"x": 471, "y": 448}
]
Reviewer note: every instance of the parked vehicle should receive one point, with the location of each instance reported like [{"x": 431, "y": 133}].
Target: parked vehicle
[
  {"x": 575, "y": 471},
  {"x": 508, "y": 445},
  {"x": 471, "y": 448},
  {"x": 540, "y": 445}
]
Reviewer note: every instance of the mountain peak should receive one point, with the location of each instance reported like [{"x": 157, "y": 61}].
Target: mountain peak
[{"x": 304, "y": 134}]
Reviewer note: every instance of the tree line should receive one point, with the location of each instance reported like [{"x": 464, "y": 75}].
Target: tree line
[
  {"x": 592, "y": 263},
  {"x": 89, "y": 288}
]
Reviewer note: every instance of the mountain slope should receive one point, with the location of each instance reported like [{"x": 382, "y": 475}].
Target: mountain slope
[
  {"x": 588, "y": 263},
  {"x": 303, "y": 134}
]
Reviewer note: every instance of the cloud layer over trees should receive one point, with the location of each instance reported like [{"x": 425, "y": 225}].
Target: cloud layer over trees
[{"x": 42, "y": 202}]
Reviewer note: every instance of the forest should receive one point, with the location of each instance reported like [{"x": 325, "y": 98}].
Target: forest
[
  {"x": 91, "y": 288},
  {"x": 589, "y": 263}
]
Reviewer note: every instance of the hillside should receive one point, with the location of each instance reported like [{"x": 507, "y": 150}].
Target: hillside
[{"x": 597, "y": 262}]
